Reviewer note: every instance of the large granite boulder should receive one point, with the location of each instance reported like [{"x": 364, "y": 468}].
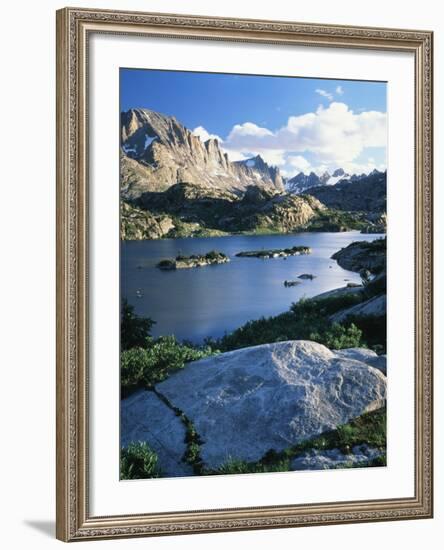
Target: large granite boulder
[{"x": 246, "y": 402}]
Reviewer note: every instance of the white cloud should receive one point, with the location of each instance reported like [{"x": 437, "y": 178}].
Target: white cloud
[
  {"x": 298, "y": 163},
  {"x": 333, "y": 135},
  {"x": 363, "y": 167},
  {"x": 247, "y": 130},
  {"x": 201, "y": 132},
  {"x": 234, "y": 155},
  {"x": 273, "y": 157},
  {"x": 339, "y": 90},
  {"x": 324, "y": 93}
]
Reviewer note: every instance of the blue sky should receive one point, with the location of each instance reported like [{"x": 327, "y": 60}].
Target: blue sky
[{"x": 298, "y": 124}]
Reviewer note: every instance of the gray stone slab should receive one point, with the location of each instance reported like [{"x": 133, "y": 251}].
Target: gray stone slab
[{"x": 145, "y": 417}]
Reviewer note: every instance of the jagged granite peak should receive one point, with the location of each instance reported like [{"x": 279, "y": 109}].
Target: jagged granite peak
[
  {"x": 167, "y": 153},
  {"x": 258, "y": 168},
  {"x": 338, "y": 172},
  {"x": 325, "y": 177},
  {"x": 301, "y": 182}
]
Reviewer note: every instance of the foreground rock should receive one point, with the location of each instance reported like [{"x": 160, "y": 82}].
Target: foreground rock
[
  {"x": 333, "y": 458},
  {"x": 145, "y": 417},
  {"x": 246, "y": 402}
]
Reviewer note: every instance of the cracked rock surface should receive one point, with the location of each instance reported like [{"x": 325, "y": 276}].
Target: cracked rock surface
[
  {"x": 245, "y": 402},
  {"x": 145, "y": 417}
]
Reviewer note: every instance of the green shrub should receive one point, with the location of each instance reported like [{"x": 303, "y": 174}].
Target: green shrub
[
  {"x": 307, "y": 319},
  {"x": 132, "y": 365},
  {"x": 152, "y": 364},
  {"x": 369, "y": 428},
  {"x": 214, "y": 255},
  {"x": 320, "y": 307},
  {"x": 339, "y": 337},
  {"x": 134, "y": 330},
  {"x": 192, "y": 454},
  {"x": 138, "y": 461},
  {"x": 374, "y": 328}
]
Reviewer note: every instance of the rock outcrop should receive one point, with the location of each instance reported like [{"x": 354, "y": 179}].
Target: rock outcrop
[
  {"x": 246, "y": 402},
  {"x": 333, "y": 458},
  {"x": 374, "y": 307},
  {"x": 222, "y": 210},
  {"x": 137, "y": 224},
  {"x": 363, "y": 255}
]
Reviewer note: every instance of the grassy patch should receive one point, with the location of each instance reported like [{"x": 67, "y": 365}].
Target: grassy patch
[
  {"x": 193, "y": 442},
  {"x": 138, "y": 461}
]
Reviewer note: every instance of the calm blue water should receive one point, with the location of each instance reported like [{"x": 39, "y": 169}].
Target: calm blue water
[{"x": 209, "y": 301}]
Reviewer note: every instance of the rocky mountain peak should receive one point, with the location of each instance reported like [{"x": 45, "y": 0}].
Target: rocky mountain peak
[
  {"x": 255, "y": 166},
  {"x": 324, "y": 177},
  {"x": 166, "y": 153},
  {"x": 338, "y": 172}
]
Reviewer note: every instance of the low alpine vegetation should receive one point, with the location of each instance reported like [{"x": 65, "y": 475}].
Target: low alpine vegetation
[{"x": 138, "y": 461}]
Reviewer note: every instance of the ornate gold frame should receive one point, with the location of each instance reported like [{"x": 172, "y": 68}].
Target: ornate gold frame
[{"x": 73, "y": 28}]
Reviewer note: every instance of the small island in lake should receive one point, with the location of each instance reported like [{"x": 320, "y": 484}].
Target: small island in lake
[
  {"x": 275, "y": 252},
  {"x": 195, "y": 260}
]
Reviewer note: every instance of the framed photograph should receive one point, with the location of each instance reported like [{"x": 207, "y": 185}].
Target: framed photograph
[{"x": 244, "y": 274}]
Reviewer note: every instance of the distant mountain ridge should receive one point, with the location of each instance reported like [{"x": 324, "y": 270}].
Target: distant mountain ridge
[
  {"x": 157, "y": 151},
  {"x": 301, "y": 182},
  {"x": 366, "y": 194}
]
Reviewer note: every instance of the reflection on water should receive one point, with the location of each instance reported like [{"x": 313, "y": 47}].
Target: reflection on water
[{"x": 209, "y": 301}]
